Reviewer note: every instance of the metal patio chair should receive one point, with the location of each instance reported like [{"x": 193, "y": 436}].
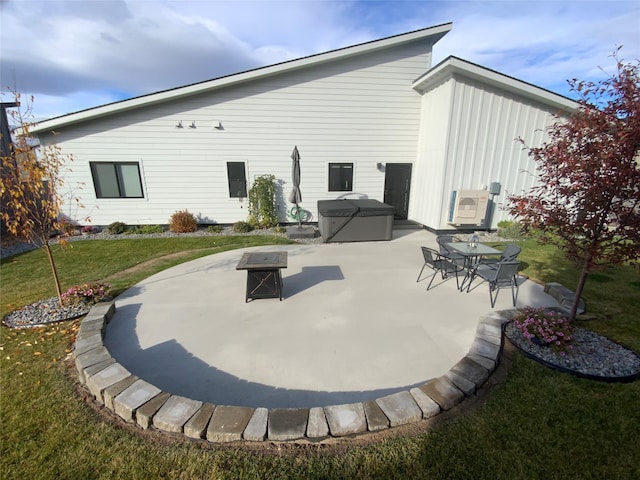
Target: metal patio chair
[
  {"x": 442, "y": 241},
  {"x": 499, "y": 275},
  {"x": 439, "y": 264},
  {"x": 510, "y": 254}
]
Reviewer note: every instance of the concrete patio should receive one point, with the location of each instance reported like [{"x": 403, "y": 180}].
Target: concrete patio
[{"x": 354, "y": 325}]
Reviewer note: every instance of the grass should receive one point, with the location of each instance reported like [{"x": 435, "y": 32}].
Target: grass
[
  {"x": 538, "y": 423},
  {"x": 104, "y": 260}
]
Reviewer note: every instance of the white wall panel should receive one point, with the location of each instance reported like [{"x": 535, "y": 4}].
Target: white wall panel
[
  {"x": 481, "y": 146},
  {"x": 425, "y": 203}
]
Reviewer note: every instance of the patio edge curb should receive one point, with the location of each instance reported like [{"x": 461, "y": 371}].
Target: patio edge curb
[{"x": 137, "y": 402}]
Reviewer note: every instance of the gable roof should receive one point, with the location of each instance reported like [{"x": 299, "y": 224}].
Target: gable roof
[
  {"x": 451, "y": 66},
  {"x": 431, "y": 34}
]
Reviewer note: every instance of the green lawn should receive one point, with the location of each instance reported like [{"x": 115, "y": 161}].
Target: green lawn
[{"x": 537, "y": 423}]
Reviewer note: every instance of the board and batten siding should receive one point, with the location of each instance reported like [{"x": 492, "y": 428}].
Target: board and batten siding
[
  {"x": 359, "y": 109},
  {"x": 469, "y": 139}
]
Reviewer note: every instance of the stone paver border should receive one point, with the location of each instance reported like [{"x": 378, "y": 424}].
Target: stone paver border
[{"x": 145, "y": 405}]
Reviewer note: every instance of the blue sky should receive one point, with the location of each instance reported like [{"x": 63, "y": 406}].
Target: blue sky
[{"x": 73, "y": 55}]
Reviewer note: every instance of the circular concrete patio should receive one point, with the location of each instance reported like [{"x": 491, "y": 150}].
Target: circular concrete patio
[{"x": 354, "y": 325}]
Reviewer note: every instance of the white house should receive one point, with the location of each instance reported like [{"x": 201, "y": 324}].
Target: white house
[{"x": 374, "y": 120}]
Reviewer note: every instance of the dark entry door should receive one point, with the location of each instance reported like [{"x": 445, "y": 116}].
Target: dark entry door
[{"x": 397, "y": 182}]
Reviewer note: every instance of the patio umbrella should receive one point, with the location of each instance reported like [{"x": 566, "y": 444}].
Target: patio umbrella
[{"x": 296, "y": 196}]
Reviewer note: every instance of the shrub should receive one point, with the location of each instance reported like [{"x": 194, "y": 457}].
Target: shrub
[
  {"x": 183, "y": 222},
  {"x": 88, "y": 293},
  {"x": 545, "y": 327},
  {"x": 510, "y": 229},
  {"x": 262, "y": 202},
  {"x": 117, "y": 228},
  {"x": 146, "y": 229},
  {"x": 280, "y": 230},
  {"x": 242, "y": 227},
  {"x": 214, "y": 229}
]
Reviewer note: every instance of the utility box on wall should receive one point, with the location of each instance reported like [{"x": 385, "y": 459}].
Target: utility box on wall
[{"x": 469, "y": 208}]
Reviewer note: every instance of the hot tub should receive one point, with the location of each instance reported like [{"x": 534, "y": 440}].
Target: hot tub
[{"x": 354, "y": 220}]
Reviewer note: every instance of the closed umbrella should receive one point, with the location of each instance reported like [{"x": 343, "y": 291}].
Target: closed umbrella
[{"x": 296, "y": 196}]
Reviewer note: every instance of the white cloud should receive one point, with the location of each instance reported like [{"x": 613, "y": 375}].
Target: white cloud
[
  {"x": 545, "y": 43},
  {"x": 78, "y": 54}
]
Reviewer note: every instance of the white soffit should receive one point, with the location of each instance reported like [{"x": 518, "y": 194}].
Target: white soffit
[
  {"x": 431, "y": 34},
  {"x": 453, "y": 66}
]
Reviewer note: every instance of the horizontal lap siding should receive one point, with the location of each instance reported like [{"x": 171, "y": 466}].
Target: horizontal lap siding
[{"x": 359, "y": 110}]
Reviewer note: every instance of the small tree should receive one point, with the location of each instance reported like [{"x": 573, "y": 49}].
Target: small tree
[
  {"x": 29, "y": 187},
  {"x": 262, "y": 202},
  {"x": 587, "y": 198}
]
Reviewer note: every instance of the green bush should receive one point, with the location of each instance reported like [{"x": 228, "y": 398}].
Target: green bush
[
  {"x": 262, "y": 202},
  {"x": 242, "y": 227},
  {"x": 214, "y": 229},
  {"x": 146, "y": 229},
  {"x": 183, "y": 222},
  {"x": 280, "y": 230},
  {"x": 117, "y": 228},
  {"x": 510, "y": 229}
]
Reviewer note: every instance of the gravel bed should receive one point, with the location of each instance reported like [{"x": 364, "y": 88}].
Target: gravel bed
[
  {"x": 44, "y": 312},
  {"x": 593, "y": 355}
]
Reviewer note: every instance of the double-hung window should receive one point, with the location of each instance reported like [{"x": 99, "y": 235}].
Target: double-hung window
[
  {"x": 116, "y": 179},
  {"x": 340, "y": 177}
]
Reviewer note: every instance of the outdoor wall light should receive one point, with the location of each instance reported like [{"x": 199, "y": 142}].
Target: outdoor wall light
[
  {"x": 380, "y": 166},
  {"x": 179, "y": 125},
  {"x": 193, "y": 125},
  {"x": 218, "y": 125}
]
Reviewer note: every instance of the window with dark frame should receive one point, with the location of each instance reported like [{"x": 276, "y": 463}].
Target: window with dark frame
[
  {"x": 237, "y": 179},
  {"x": 340, "y": 177},
  {"x": 116, "y": 179}
]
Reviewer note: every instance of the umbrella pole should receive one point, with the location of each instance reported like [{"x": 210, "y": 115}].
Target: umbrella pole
[{"x": 299, "y": 217}]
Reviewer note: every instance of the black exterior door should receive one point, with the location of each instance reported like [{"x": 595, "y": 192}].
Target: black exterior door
[{"x": 397, "y": 183}]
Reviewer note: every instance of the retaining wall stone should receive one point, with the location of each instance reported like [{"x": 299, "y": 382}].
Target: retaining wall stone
[
  {"x": 376, "y": 419},
  {"x": 105, "y": 378},
  {"x": 175, "y": 412},
  {"x": 347, "y": 419},
  {"x": 565, "y": 297},
  {"x": 132, "y": 398},
  {"x": 196, "y": 427},
  {"x": 317, "y": 426},
  {"x": 228, "y": 423},
  {"x": 287, "y": 423},
  {"x": 256, "y": 430},
  {"x": 400, "y": 408},
  {"x": 144, "y": 414},
  {"x": 116, "y": 389}
]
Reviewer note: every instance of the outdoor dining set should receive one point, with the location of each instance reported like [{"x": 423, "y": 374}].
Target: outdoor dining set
[{"x": 473, "y": 260}]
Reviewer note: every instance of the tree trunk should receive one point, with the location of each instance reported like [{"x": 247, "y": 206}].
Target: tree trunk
[
  {"x": 578, "y": 294},
  {"x": 54, "y": 270}
]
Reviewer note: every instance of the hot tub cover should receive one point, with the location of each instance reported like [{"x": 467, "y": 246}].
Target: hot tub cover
[{"x": 353, "y": 208}]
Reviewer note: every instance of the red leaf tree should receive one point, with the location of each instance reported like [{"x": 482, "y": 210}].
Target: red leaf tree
[{"x": 587, "y": 195}]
